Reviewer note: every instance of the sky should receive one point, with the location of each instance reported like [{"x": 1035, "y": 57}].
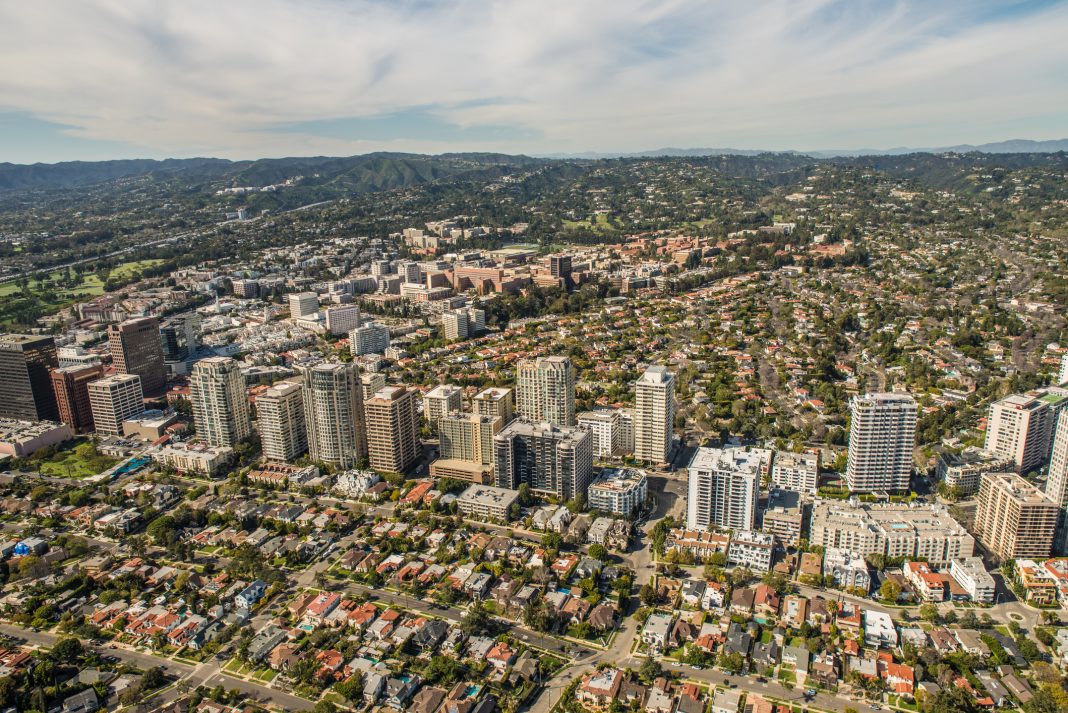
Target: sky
[{"x": 243, "y": 79}]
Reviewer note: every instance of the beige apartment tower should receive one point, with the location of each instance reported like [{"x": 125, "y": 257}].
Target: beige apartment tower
[
  {"x": 280, "y": 420},
  {"x": 882, "y": 434},
  {"x": 654, "y": 415},
  {"x": 392, "y": 434},
  {"x": 1014, "y": 519},
  {"x": 220, "y": 402},
  {"x": 546, "y": 390},
  {"x": 333, "y": 412},
  {"x": 496, "y": 403}
]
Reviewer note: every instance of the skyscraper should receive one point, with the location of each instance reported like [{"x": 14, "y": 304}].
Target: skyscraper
[
  {"x": 25, "y": 386},
  {"x": 654, "y": 415},
  {"x": 724, "y": 487},
  {"x": 303, "y": 304},
  {"x": 178, "y": 336},
  {"x": 546, "y": 390},
  {"x": 220, "y": 401},
  {"x": 333, "y": 411},
  {"x": 392, "y": 434},
  {"x": 280, "y": 421},
  {"x": 1062, "y": 376},
  {"x": 882, "y": 434},
  {"x": 1020, "y": 427},
  {"x": 114, "y": 399},
  {"x": 136, "y": 349},
  {"x": 467, "y": 437},
  {"x": 1014, "y": 518},
  {"x": 551, "y": 460},
  {"x": 71, "y": 387}
]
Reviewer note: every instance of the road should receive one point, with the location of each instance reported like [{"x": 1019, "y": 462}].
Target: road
[{"x": 207, "y": 674}]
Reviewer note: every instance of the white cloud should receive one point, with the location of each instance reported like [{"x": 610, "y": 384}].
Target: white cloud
[{"x": 217, "y": 78}]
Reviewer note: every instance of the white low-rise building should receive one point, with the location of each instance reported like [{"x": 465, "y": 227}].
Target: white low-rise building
[
  {"x": 972, "y": 576},
  {"x": 618, "y": 490},
  {"x": 751, "y": 549}
]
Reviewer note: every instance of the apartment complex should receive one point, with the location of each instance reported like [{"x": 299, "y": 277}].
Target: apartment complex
[
  {"x": 113, "y": 399},
  {"x": 922, "y": 532},
  {"x": 654, "y": 415},
  {"x": 70, "y": 385},
  {"x": 220, "y": 402},
  {"x": 783, "y": 516},
  {"x": 392, "y": 430},
  {"x": 25, "y": 387},
  {"x": 1020, "y": 427},
  {"x": 136, "y": 348},
  {"x": 333, "y": 411},
  {"x": 462, "y": 323},
  {"x": 1013, "y": 518},
  {"x": 962, "y": 470},
  {"x": 496, "y": 403},
  {"x": 441, "y": 400},
  {"x": 799, "y": 472},
  {"x": 724, "y": 487},
  {"x": 487, "y": 502},
  {"x": 603, "y": 425},
  {"x": 550, "y": 459},
  {"x": 281, "y": 424},
  {"x": 546, "y": 390},
  {"x": 371, "y": 338},
  {"x": 882, "y": 434},
  {"x": 619, "y": 490}
]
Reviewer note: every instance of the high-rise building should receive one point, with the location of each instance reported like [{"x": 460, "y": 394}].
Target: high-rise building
[
  {"x": 370, "y": 383},
  {"x": 1062, "y": 375},
  {"x": 495, "y": 402},
  {"x": 136, "y": 349},
  {"x": 799, "y": 472},
  {"x": 114, "y": 399},
  {"x": 392, "y": 433},
  {"x": 1013, "y": 518},
  {"x": 603, "y": 425},
  {"x": 1020, "y": 427},
  {"x": 220, "y": 401},
  {"x": 724, "y": 488},
  {"x": 467, "y": 437},
  {"x": 410, "y": 272},
  {"x": 280, "y": 421},
  {"x": 71, "y": 387},
  {"x": 551, "y": 460},
  {"x": 441, "y": 400},
  {"x": 546, "y": 390},
  {"x": 654, "y": 415},
  {"x": 462, "y": 323},
  {"x": 333, "y": 411},
  {"x": 1057, "y": 477},
  {"x": 882, "y": 434},
  {"x": 626, "y": 430},
  {"x": 303, "y": 304},
  {"x": 178, "y": 336},
  {"x": 560, "y": 266},
  {"x": 371, "y": 338},
  {"x": 342, "y": 319},
  {"x": 25, "y": 386}
]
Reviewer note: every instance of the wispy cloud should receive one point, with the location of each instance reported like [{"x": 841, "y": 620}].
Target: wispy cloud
[{"x": 281, "y": 77}]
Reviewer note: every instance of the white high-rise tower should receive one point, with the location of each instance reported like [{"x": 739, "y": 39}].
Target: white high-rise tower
[
  {"x": 654, "y": 414},
  {"x": 882, "y": 434}
]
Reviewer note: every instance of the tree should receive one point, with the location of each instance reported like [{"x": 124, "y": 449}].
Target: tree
[
  {"x": 929, "y": 612},
  {"x": 647, "y": 595},
  {"x": 476, "y": 620},
  {"x": 68, "y": 650},
  {"x": 152, "y": 678},
  {"x": 598, "y": 551},
  {"x": 650, "y": 670},
  {"x": 351, "y": 688},
  {"x": 890, "y": 590}
]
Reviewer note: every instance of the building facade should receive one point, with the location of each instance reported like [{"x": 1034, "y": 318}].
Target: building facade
[
  {"x": 1020, "y": 427},
  {"x": 441, "y": 400},
  {"x": 333, "y": 412},
  {"x": 392, "y": 429},
  {"x": 603, "y": 426},
  {"x": 882, "y": 434},
  {"x": 220, "y": 402},
  {"x": 546, "y": 390},
  {"x": 71, "y": 388},
  {"x": 281, "y": 423},
  {"x": 25, "y": 386},
  {"x": 1013, "y": 518},
  {"x": 724, "y": 487},
  {"x": 799, "y": 472},
  {"x": 302, "y": 304},
  {"x": 114, "y": 399},
  {"x": 619, "y": 490},
  {"x": 371, "y": 338},
  {"x": 654, "y": 415},
  {"x": 495, "y": 402},
  {"x": 136, "y": 348},
  {"x": 551, "y": 460}
]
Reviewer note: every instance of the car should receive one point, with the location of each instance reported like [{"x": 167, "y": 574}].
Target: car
[
  {"x": 761, "y": 679},
  {"x": 695, "y": 667},
  {"x": 675, "y": 664}
]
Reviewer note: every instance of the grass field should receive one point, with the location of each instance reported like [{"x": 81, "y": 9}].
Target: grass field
[
  {"x": 599, "y": 224},
  {"x": 75, "y": 460},
  {"x": 91, "y": 285}
]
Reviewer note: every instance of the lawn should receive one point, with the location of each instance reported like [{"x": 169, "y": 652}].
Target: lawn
[
  {"x": 90, "y": 285},
  {"x": 74, "y": 460},
  {"x": 599, "y": 224}
]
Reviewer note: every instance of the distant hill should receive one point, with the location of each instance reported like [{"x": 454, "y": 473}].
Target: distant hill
[{"x": 369, "y": 172}]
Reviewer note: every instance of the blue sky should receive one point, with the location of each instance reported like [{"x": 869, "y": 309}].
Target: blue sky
[{"x": 97, "y": 79}]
